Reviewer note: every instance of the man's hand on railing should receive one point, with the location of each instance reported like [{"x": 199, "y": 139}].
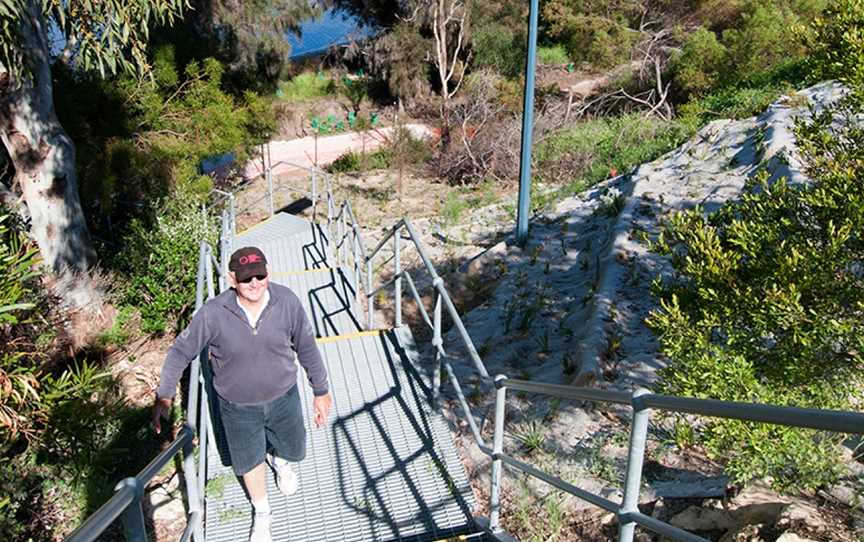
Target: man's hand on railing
[{"x": 161, "y": 410}]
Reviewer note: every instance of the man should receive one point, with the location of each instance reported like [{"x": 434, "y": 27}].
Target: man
[{"x": 251, "y": 331}]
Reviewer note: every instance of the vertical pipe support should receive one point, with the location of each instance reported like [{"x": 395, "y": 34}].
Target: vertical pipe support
[
  {"x": 397, "y": 269},
  {"x": 203, "y": 437},
  {"x": 270, "y": 189},
  {"x": 314, "y": 196},
  {"x": 232, "y": 206},
  {"x": 202, "y": 266},
  {"x": 497, "y": 450},
  {"x": 357, "y": 259},
  {"x": 524, "y": 206},
  {"x": 370, "y": 302},
  {"x": 343, "y": 234},
  {"x": 194, "y": 497},
  {"x": 223, "y": 257},
  {"x": 133, "y": 516},
  {"x": 635, "y": 459},
  {"x": 437, "y": 344}
]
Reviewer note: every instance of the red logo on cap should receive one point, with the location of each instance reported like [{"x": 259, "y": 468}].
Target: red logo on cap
[{"x": 251, "y": 258}]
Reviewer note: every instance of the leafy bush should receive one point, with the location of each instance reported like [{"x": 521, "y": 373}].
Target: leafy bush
[
  {"x": 594, "y": 31},
  {"x": 697, "y": 67},
  {"x": 19, "y": 397},
  {"x": 161, "y": 260},
  {"x": 552, "y": 55},
  {"x": 499, "y": 48},
  {"x": 305, "y": 87},
  {"x": 765, "y": 37},
  {"x": 837, "y": 44},
  {"x": 43, "y": 403},
  {"x": 141, "y": 182},
  {"x": 766, "y": 305}
]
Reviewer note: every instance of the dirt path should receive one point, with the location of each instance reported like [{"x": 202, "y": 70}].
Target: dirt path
[{"x": 306, "y": 153}]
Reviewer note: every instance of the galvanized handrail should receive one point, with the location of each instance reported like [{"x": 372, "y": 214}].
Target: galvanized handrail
[
  {"x": 126, "y": 503},
  {"x": 641, "y": 402}
]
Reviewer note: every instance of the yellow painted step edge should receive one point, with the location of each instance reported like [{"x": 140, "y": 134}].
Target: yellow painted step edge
[
  {"x": 250, "y": 228},
  {"x": 334, "y": 338}
]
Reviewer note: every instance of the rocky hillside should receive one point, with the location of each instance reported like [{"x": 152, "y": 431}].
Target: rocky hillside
[{"x": 570, "y": 308}]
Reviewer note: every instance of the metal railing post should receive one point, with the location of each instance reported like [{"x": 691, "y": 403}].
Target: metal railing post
[
  {"x": 208, "y": 274},
  {"x": 192, "y": 488},
  {"x": 133, "y": 516},
  {"x": 343, "y": 232},
  {"x": 355, "y": 250},
  {"x": 497, "y": 450},
  {"x": 397, "y": 264},
  {"x": 370, "y": 303},
  {"x": 437, "y": 343},
  {"x": 270, "y": 189},
  {"x": 635, "y": 459},
  {"x": 223, "y": 256},
  {"x": 199, "y": 281},
  {"x": 314, "y": 195}
]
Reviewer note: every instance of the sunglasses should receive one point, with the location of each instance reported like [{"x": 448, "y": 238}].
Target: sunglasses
[{"x": 248, "y": 280}]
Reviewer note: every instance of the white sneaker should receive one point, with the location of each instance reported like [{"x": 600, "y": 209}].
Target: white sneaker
[
  {"x": 260, "y": 528},
  {"x": 286, "y": 478}
]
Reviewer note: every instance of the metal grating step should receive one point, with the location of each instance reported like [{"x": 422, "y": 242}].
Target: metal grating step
[
  {"x": 384, "y": 469},
  {"x": 327, "y": 294},
  {"x": 309, "y": 250}
]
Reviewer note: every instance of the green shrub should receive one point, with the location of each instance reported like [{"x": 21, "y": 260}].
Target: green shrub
[
  {"x": 161, "y": 261},
  {"x": 697, "y": 67},
  {"x": 733, "y": 102},
  {"x": 591, "y": 31},
  {"x": 18, "y": 259},
  {"x": 497, "y": 47},
  {"x": 306, "y": 87},
  {"x": 453, "y": 208},
  {"x": 837, "y": 44},
  {"x": 552, "y": 55},
  {"x": 19, "y": 379},
  {"x": 353, "y": 162},
  {"x": 348, "y": 162},
  {"x": 591, "y": 151},
  {"x": 765, "y": 305},
  {"x": 765, "y": 37}
]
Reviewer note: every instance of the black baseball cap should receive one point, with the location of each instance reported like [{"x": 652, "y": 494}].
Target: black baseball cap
[{"x": 247, "y": 262}]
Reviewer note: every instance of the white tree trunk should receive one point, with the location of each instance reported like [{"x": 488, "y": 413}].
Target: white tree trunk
[{"x": 44, "y": 159}]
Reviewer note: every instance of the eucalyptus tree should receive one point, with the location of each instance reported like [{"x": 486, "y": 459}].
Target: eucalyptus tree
[
  {"x": 250, "y": 35},
  {"x": 106, "y": 37}
]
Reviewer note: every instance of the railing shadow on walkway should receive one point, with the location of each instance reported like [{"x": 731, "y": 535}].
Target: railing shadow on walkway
[
  {"x": 400, "y": 370},
  {"x": 317, "y": 303}
]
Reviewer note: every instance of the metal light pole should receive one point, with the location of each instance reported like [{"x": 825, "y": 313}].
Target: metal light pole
[{"x": 524, "y": 207}]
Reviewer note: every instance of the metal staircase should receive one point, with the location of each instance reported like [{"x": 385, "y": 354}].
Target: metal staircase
[{"x": 385, "y": 468}]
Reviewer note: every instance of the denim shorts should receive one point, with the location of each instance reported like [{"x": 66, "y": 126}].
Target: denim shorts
[{"x": 253, "y": 430}]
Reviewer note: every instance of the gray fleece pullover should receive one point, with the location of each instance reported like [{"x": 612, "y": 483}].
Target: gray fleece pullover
[{"x": 250, "y": 365}]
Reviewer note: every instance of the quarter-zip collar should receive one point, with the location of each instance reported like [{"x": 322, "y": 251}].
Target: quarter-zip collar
[
  {"x": 251, "y": 318},
  {"x": 233, "y": 305}
]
